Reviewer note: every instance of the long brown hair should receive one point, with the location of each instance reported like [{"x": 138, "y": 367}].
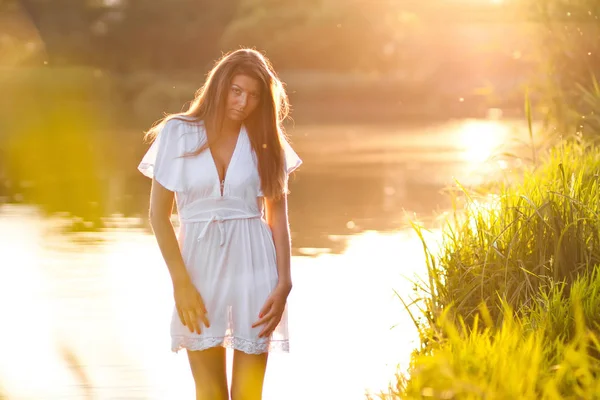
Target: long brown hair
[{"x": 264, "y": 125}]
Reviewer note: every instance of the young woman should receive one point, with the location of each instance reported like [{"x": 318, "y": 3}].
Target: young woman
[{"x": 226, "y": 162}]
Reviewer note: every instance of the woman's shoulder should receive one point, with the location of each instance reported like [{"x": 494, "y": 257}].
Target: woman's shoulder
[
  {"x": 184, "y": 124},
  {"x": 182, "y": 127}
]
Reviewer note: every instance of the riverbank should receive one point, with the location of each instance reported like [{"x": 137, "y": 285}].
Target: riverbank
[{"x": 511, "y": 310}]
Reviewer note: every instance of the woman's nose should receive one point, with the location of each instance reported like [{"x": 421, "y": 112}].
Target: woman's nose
[{"x": 243, "y": 100}]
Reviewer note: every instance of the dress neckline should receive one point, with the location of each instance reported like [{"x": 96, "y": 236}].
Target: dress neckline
[{"x": 232, "y": 160}]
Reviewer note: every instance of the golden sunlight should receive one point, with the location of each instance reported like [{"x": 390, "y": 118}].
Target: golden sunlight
[
  {"x": 481, "y": 139},
  {"x": 27, "y": 317},
  {"x": 495, "y": 2}
]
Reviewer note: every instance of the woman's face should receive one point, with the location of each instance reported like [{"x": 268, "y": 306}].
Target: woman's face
[{"x": 242, "y": 98}]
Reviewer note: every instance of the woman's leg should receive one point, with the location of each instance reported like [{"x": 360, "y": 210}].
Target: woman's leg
[
  {"x": 210, "y": 376},
  {"x": 248, "y": 375}
]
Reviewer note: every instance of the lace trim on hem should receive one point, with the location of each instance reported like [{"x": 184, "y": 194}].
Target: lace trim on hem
[{"x": 229, "y": 342}]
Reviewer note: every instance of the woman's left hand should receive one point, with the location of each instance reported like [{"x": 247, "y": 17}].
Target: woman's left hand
[{"x": 272, "y": 311}]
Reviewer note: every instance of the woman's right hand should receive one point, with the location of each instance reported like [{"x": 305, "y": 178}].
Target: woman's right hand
[{"x": 190, "y": 306}]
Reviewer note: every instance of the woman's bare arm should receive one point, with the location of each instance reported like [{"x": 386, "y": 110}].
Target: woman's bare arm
[
  {"x": 277, "y": 218},
  {"x": 189, "y": 303},
  {"x": 161, "y": 207},
  {"x": 272, "y": 311}
]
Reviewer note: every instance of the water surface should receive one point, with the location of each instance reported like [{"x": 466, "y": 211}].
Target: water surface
[{"x": 86, "y": 315}]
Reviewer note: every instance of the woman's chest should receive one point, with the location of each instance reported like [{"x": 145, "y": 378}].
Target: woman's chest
[{"x": 203, "y": 179}]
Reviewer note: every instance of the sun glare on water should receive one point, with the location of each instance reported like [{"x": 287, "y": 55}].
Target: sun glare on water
[{"x": 481, "y": 140}]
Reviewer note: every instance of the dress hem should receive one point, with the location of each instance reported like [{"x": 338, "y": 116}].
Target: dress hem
[{"x": 236, "y": 343}]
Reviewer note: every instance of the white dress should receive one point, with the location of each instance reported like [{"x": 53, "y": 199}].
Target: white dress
[{"x": 226, "y": 244}]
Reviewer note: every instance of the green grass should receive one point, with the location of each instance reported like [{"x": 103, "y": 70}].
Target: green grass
[
  {"x": 512, "y": 361},
  {"x": 527, "y": 237},
  {"x": 510, "y": 307}
]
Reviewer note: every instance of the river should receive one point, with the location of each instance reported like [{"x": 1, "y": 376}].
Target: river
[{"x": 86, "y": 315}]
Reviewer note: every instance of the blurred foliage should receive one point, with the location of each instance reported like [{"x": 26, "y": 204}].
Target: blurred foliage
[
  {"x": 323, "y": 35},
  {"x": 567, "y": 35},
  {"x": 122, "y": 36},
  {"x": 54, "y": 154},
  {"x": 330, "y": 35}
]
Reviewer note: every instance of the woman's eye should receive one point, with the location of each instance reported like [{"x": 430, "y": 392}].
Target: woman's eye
[{"x": 237, "y": 91}]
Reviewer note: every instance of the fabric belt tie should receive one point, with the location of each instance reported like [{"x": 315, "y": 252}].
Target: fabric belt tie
[{"x": 220, "y": 224}]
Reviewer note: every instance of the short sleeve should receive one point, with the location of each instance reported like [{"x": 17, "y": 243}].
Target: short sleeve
[
  {"x": 164, "y": 159},
  {"x": 291, "y": 159}
]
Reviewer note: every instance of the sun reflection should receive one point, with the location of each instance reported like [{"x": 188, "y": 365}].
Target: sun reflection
[
  {"x": 376, "y": 266},
  {"x": 481, "y": 139},
  {"x": 28, "y": 320}
]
